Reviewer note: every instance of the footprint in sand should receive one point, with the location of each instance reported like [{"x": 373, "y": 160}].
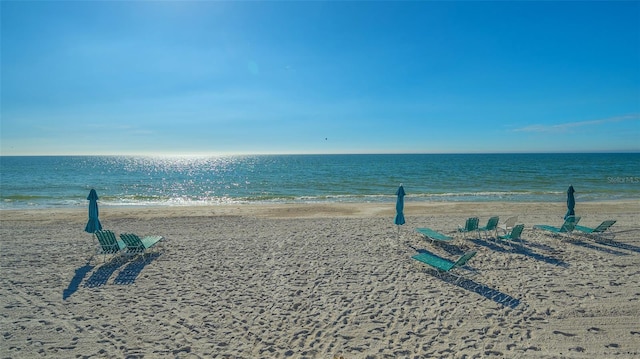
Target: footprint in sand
[
  {"x": 563, "y": 333},
  {"x": 492, "y": 352}
]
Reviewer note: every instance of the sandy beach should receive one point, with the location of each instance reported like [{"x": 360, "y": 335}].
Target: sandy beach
[{"x": 318, "y": 281}]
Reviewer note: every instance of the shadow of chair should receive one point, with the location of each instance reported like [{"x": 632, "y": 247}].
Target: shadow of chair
[
  {"x": 583, "y": 244},
  {"x": 130, "y": 273},
  {"x": 524, "y": 251},
  {"x": 481, "y": 289},
  {"x": 619, "y": 245},
  {"x": 101, "y": 275}
]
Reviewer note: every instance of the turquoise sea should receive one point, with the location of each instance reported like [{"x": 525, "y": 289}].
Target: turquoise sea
[{"x": 65, "y": 181}]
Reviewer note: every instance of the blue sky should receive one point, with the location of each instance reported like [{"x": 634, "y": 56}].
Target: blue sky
[{"x": 145, "y": 77}]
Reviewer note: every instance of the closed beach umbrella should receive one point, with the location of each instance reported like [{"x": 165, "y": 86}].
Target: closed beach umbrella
[
  {"x": 400, "y": 207},
  {"x": 571, "y": 203},
  {"x": 94, "y": 223}
]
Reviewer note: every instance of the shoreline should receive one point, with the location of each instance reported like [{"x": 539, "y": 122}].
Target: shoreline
[{"x": 330, "y": 210}]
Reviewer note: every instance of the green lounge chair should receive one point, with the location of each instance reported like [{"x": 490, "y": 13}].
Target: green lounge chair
[
  {"x": 443, "y": 265},
  {"x": 597, "y": 231},
  {"x": 137, "y": 245},
  {"x": 470, "y": 225},
  {"x": 108, "y": 243},
  {"x": 566, "y": 228},
  {"x": 433, "y": 235},
  {"x": 513, "y": 236},
  {"x": 492, "y": 225}
]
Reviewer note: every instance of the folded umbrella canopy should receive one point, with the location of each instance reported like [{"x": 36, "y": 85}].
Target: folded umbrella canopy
[
  {"x": 399, "y": 220},
  {"x": 571, "y": 203},
  {"x": 94, "y": 223}
]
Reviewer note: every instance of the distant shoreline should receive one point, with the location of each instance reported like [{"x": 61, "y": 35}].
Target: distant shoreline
[{"x": 301, "y": 210}]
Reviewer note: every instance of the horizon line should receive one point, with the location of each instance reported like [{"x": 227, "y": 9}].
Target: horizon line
[{"x": 195, "y": 154}]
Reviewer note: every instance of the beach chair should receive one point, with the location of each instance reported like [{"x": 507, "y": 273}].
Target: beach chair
[
  {"x": 598, "y": 231},
  {"x": 492, "y": 225},
  {"x": 471, "y": 225},
  {"x": 508, "y": 224},
  {"x": 443, "y": 265},
  {"x": 109, "y": 244},
  {"x": 137, "y": 245},
  {"x": 566, "y": 228},
  {"x": 434, "y": 236},
  {"x": 513, "y": 236}
]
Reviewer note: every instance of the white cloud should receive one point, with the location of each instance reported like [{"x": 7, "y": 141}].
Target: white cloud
[{"x": 567, "y": 127}]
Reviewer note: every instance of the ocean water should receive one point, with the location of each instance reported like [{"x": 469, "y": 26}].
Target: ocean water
[{"x": 65, "y": 181}]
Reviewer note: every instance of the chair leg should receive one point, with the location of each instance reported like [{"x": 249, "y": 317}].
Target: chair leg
[{"x": 458, "y": 277}]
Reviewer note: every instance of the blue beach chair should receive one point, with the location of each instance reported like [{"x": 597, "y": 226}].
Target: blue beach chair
[
  {"x": 434, "y": 236},
  {"x": 513, "y": 236},
  {"x": 567, "y": 227},
  {"x": 492, "y": 225},
  {"x": 598, "y": 231},
  {"x": 108, "y": 243},
  {"x": 443, "y": 265},
  {"x": 137, "y": 245},
  {"x": 471, "y": 225}
]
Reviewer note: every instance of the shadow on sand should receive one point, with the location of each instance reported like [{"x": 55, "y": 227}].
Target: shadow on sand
[
  {"x": 522, "y": 250},
  {"x": 129, "y": 273},
  {"x": 612, "y": 243},
  {"x": 101, "y": 276},
  {"x": 76, "y": 280},
  {"x": 577, "y": 242},
  {"x": 104, "y": 272},
  {"x": 544, "y": 247},
  {"x": 481, "y": 289},
  {"x": 451, "y": 249}
]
